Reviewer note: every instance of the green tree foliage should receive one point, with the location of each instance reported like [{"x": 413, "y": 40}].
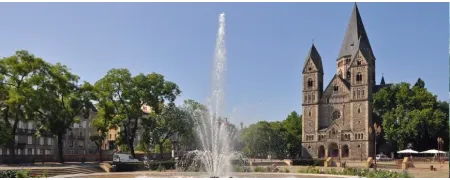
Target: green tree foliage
[
  {"x": 189, "y": 139},
  {"x": 264, "y": 138},
  {"x": 171, "y": 122},
  {"x": 411, "y": 115},
  {"x": 293, "y": 126},
  {"x": 127, "y": 94},
  {"x": 18, "y": 75},
  {"x": 279, "y": 139},
  {"x": 60, "y": 102}
]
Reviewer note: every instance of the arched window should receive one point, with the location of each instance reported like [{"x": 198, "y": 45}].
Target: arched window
[
  {"x": 359, "y": 110},
  {"x": 348, "y": 75},
  {"x": 310, "y": 113},
  {"x": 358, "y": 77},
  {"x": 310, "y": 82},
  {"x": 358, "y": 62}
]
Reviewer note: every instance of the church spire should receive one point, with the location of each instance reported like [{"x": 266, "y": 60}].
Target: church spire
[
  {"x": 315, "y": 58},
  {"x": 355, "y": 35},
  {"x": 382, "y": 80}
]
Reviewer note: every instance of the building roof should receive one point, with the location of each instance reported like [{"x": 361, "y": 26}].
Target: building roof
[
  {"x": 355, "y": 35},
  {"x": 315, "y": 57}
]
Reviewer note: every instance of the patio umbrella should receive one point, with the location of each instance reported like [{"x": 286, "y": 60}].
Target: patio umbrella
[
  {"x": 432, "y": 151},
  {"x": 407, "y": 151}
]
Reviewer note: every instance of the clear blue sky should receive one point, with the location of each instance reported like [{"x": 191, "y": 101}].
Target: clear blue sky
[{"x": 267, "y": 44}]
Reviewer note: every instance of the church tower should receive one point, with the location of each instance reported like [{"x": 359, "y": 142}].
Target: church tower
[
  {"x": 356, "y": 63},
  {"x": 312, "y": 92}
]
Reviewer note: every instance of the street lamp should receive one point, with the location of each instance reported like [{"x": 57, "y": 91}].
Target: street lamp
[
  {"x": 376, "y": 130},
  {"x": 440, "y": 142}
]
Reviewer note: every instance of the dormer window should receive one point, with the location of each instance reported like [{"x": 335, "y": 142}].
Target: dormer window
[{"x": 336, "y": 88}]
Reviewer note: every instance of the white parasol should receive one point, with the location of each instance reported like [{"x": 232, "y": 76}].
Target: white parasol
[
  {"x": 432, "y": 151},
  {"x": 407, "y": 151}
]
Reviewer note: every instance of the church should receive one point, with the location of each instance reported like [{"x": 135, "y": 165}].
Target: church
[{"x": 336, "y": 119}]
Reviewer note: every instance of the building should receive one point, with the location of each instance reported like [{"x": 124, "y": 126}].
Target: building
[
  {"x": 336, "y": 119},
  {"x": 27, "y": 143},
  {"x": 76, "y": 141}
]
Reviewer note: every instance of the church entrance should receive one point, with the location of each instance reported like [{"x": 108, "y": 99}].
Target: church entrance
[
  {"x": 321, "y": 152},
  {"x": 333, "y": 150}
]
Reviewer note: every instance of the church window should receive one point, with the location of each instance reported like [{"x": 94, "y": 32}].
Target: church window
[
  {"x": 358, "y": 77},
  {"x": 358, "y": 62},
  {"x": 359, "y": 146},
  {"x": 310, "y": 113},
  {"x": 336, "y": 88},
  {"x": 309, "y": 68},
  {"x": 336, "y": 115},
  {"x": 362, "y": 136},
  {"x": 358, "y": 94},
  {"x": 348, "y": 75},
  {"x": 310, "y": 82}
]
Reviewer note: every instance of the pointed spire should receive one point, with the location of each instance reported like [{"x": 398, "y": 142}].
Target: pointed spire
[
  {"x": 355, "y": 32},
  {"x": 315, "y": 57},
  {"x": 382, "y": 79}
]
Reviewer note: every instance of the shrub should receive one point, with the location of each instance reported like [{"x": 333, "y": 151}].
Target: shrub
[
  {"x": 357, "y": 172},
  {"x": 286, "y": 170},
  {"x": 23, "y": 174},
  {"x": 8, "y": 174},
  {"x": 258, "y": 169}
]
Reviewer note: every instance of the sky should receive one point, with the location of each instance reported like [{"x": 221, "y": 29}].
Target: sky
[{"x": 267, "y": 44}]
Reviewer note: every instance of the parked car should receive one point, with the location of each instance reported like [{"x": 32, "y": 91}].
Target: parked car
[
  {"x": 382, "y": 157},
  {"x": 123, "y": 158}
]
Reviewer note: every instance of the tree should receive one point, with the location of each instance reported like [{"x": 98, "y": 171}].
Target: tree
[
  {"x": 18, "y": 74},
  {"x": 129, "y": 94},
  {"x": 293, "y": 125},
  {"x": 98, "y": 140},
  {"x": 102, "y": 122},
  {"x": 159, "y": 128},
  {"x": 60, "y": 102},
  {"x": 420, "y": 83},
  {"x": 263, "y": 138},
  {"x": 411, "y": 115},
  {"x": 189, "y": 139}
]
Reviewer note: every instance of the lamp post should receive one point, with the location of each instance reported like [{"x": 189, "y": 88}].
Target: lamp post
[
  {"x": 376, "y": 130},
  {"x": 440, "y": 142}
]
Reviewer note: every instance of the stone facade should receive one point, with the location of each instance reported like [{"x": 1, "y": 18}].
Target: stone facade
[{"x": 336, "y": 118}]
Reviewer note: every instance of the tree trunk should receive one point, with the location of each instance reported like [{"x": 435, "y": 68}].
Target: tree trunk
[
  {"x": 161, "y": 151},
  {"x": 131, "y": 148},
  {"x": 60, "y": 148},
  {"x": 100, "y": 153}
]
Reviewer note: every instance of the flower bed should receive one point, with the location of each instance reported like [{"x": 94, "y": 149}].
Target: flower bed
[
  {"x": 20, "y": 174},
  {"x": 356, "y": 172}
]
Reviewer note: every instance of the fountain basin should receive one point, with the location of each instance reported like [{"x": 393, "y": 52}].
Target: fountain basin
[{"x": 145, "y": 174}]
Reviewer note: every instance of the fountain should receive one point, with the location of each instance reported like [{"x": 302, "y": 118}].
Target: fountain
[{"x": 216, "y": 152}]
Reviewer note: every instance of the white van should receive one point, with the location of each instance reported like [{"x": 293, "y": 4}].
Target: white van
[{"x": 123, "y": 158}]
